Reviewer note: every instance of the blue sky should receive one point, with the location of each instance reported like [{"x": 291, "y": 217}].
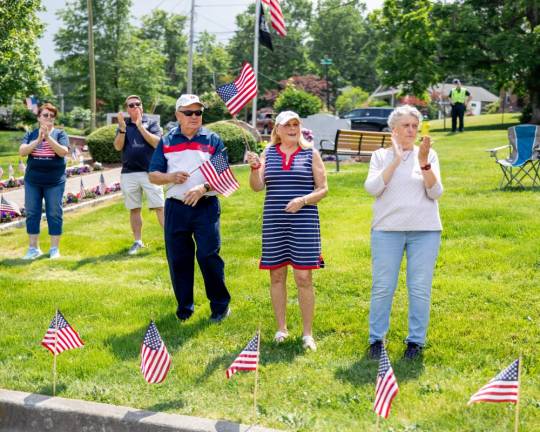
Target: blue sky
[{"x": 216, "y": 16}]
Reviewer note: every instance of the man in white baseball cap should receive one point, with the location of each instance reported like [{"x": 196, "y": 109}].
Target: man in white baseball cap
[{"x": 192, "y": 209}]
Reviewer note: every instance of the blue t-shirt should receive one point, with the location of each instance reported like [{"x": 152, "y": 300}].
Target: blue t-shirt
[
  {"x": 44, "y": 167},
  {"x": 137, "y": 153}
]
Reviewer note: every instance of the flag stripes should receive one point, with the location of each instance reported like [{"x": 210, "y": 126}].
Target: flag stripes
[
  {"x": 9, "y": 207},
  {"x": 386, "y": 388},
  {"x": 43, "y": 149},
  {"x": 276, "y": 17},
  {"x": 217, "y": 172},
  {"x": 238, "y": 93},
  {"x": 503, "y": 388},
  {"x": 155, "y": 359},
  {"x": 60, "y": 336},
  {"x": 247, "y": 360}
]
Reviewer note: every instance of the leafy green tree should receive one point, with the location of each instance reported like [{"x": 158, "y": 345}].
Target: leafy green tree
[
  {"x": 290, "y": 55},
  {"x": 350, "y": 99},
  {"x": 210, "y": 61},
  {"x": 167, "y": 32},
  {"x": 20, "y": 67},
  {"x": 343, "y": 33},
  {"x": 299, "y": 101},
  {"x": 408, "y": 52}
]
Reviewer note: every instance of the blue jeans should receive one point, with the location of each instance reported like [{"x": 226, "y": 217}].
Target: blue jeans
[
  {"x": 33, "y": 199},
  {"x": 387, "y": 249}
]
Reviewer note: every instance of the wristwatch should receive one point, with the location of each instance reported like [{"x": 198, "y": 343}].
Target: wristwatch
[
  {"x": 207, "y": 187},
  {"x": 426, "y": 167},
  {"x": 121, "y": 131}
]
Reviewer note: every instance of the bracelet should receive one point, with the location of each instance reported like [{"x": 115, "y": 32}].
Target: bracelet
[
  {"x": 256, "y": 167},
  {"x": 426, "y": 167}
]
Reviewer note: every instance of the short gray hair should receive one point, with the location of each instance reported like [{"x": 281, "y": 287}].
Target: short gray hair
[{"x": 401, "y": 111}]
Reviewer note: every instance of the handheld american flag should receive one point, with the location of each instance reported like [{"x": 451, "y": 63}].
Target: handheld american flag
[
  {"x": 217, "y": 172},
  {"x": 276, "y": 17},
  {"x": 32, "y": 104},
  {"x": 61, "y": 336},
  {"x": 503, "y": 388},
  {"x": 9, "y": 207},
  {"x": 155, "y": 359},
  {"x": 386, "y": 388},
  {"x": 248, "y": 359},
  {"x": 238, "y": 93}
]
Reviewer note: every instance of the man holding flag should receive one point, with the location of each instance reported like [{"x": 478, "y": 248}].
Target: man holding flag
[{"x": 192, "y": 208}]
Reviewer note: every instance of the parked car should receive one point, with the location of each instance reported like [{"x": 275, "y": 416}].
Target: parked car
[
  {"x": 265, "y": 121},
  {"x": 370, "y": 119}
]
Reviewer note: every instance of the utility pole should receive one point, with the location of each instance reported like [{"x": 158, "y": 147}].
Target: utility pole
[
  {"x": 327, "y": 62},
  {"x": 61, "y": 96},
  {"x": 256, "y": 61},
  {"x": 190, "y": 55},
  {"x": 91, "y": 65}
]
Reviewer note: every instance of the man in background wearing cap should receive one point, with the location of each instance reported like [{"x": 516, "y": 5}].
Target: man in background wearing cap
[
  {"x": 137, "y": 137},
  {"x": 459, "y": 99},
  {"x": 191, "y": 209}
]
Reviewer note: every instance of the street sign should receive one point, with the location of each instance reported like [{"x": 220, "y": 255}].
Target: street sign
[{"x": 326, "y": 61}]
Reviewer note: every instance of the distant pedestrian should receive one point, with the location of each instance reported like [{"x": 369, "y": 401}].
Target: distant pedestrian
[
  {"x": 137, "y": 137},
  {"x": 44, "y": 179},
  {"x": 459, "y": 100}
]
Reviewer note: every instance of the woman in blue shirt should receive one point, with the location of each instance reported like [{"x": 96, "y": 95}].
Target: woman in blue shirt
[{"x": 44, "y": 179}]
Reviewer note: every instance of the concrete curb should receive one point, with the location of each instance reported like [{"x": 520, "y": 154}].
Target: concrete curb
[
  {"x": 90, "y": 203},
  {"x": 28, "y": 412}
]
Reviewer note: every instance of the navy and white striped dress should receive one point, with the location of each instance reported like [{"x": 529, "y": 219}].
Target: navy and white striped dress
[{"x": 289, "y": 238}]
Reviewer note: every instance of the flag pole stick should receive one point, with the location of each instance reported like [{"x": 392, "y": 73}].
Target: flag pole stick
[
  {"x": 516, "y": 421},
  {"x": 54, "y": 354},
  {"x": 377, "y": 425},
  {"x": 256, "y": 60},
  {"x": 256, "y": 377}
]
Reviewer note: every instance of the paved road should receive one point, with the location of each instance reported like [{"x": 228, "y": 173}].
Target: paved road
[{"x": 73, "y": 184}]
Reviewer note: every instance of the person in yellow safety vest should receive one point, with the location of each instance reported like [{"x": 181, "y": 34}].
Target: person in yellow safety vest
[{"x": 459, "y": 99}]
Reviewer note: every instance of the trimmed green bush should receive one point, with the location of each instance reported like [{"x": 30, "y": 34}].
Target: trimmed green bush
[
  {"x": 299, "y": 101},
  {"x": 100, "y": 144},
  {"x": 234, "y": 138}
]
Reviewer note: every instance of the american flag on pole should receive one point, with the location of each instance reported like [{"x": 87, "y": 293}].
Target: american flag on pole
[
  {"x": 503, "y": 388},
  {"x": 43, "y": 150},
  {"x": 276, "y": 17},
  {"x": 238, "y": 93},
  {"x": 102, "y": 185},
  {"x": 32, "y": 104},
  {"x": 9, "y": 207},
  {"x": 217, "y": 172},
  {"x": 386, "y": 388},
  {"x": 247, "y": 360},
  {"x": 82, "y": 193},
  {"x": 155, "y": 359},
  {"x": 61, "y": 336}
]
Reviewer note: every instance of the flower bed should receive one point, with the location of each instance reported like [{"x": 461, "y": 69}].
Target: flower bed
[
  {"x": 11, "y": 183},
  {"x": 68, "y": 200}
]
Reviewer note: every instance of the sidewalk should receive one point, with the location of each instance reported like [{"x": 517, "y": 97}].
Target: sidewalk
[{"x": 73, "y": 184}]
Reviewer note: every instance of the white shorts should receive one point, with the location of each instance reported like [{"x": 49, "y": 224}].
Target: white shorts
[{"x": 133, "y": 185}]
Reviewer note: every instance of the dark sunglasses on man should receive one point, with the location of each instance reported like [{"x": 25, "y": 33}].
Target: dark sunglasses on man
[
  {"x": 189, "y": 113},
  {"x": 134, "y": 104}
]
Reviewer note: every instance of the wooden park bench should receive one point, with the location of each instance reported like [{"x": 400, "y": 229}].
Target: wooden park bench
[{"x": 355, "y": 143}]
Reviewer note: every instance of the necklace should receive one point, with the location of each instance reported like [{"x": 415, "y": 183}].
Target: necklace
[{"x": 404, "y": 158}]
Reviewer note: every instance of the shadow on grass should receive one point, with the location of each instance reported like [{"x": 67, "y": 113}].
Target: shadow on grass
[
  {"x": 44, "y": 393},
  {"x": 14, "y": 262},
  {"x": 117, "y": 256},
  {"x": 167, "y": 406},
  {"x": 173, "y": 333},
  {"x": 487, "y": 127},
  {"x": 364, "y": 371}
]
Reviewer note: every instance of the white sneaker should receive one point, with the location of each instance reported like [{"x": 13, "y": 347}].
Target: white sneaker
[
  {"x": 54, "y": 253},
  {"x": 309, "y": 343},
  {"x": 32, "y": 253},
  {"x": 134, "y": 249}
]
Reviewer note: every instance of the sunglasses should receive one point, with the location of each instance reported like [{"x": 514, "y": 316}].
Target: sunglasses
[
  {"x": 134, "y": 104},
  {"x": 189, "y": 113},
  {"x": 48, "y": 115}
]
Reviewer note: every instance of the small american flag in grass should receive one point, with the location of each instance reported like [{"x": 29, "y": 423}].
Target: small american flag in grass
[
  {"x": 155, "y": 359},
  {"x": 386, "y": 388},
  {"x": 9, "y": 207},
  {"x": 61, "y": 336},
  {"x": 247, "y": 360},
  {"x": 503, "y": 388},
  {"x": 217, "y": 172}
]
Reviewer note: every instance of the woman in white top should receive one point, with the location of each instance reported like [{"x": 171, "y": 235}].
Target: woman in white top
[{"x": 406, "y": 182}]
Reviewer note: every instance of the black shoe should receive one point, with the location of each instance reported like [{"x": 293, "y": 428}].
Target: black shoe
[
  {"x": 375, "y": 350},
  {"x": 183, "y": 315},
  {"x": 218, "y": 317},
  {"x": 413, "y": 351}
]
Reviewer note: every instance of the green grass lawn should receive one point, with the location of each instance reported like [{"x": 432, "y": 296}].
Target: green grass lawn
[{"x": 485, "y": 311}]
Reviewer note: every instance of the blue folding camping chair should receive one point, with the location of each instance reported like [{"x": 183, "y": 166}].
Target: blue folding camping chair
[{"x": 523, "y": 161}]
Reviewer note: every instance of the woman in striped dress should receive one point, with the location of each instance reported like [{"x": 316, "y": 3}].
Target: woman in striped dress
[{"x": 294, "y": 176}]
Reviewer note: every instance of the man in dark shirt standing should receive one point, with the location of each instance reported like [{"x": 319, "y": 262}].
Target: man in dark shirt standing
[{"x": 136, "y": 138}]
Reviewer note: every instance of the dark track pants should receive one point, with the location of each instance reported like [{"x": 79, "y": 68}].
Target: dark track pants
[
  {"x": 183, "y": 225},
  {"x": 458, "y": 111}
]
